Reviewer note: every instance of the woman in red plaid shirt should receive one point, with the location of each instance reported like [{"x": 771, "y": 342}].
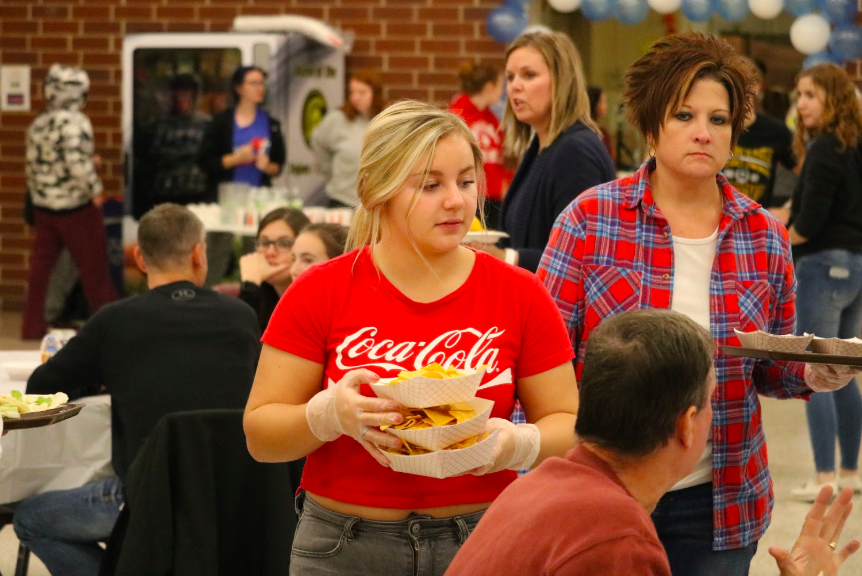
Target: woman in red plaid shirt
[{"x": 677, "y": 235}]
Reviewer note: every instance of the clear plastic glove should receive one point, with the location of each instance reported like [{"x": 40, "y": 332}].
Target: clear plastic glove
[
  {"x": 255, "y": 269},
  {"x": 517, "y": 446},
  {"x": 342, "y": 409},
  {"x": 829, "y": 377}
]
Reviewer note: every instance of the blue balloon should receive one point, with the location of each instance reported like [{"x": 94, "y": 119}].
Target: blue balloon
[
  {"x": 846, "y": 42},
  {"x": 598, "y": 10},
  {"x": 732, "y": 10},
  {"x": 837, "y": 11},
  {"x": 518, "y": 3},
  {"x": 506, "y": 23},
  {"x": 632, "y": 11},
  {"x": 799, "y": 7},
  {"x": 821, "y": 58},
  {"x": 697, "y": 10}
]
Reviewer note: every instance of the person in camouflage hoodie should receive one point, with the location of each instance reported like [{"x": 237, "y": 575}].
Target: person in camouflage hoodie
[{"x": 62, "y": 183}]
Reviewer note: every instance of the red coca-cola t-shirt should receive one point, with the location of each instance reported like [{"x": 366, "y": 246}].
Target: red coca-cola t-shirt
[{"x": 345, "y": 315}]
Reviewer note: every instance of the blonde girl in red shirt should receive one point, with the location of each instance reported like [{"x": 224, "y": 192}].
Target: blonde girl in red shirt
[{"x": 409, "y": 294}]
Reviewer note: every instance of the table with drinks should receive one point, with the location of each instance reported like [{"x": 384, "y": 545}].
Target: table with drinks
[{"x": 240, "y": 208}]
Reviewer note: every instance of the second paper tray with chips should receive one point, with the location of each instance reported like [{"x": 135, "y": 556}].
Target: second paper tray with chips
[{"x": 438, "y": 437}]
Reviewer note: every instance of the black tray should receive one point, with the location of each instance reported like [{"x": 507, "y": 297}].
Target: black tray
[
  {"x": 810, "y": 357},
  {"x": 44, "y": 418}
]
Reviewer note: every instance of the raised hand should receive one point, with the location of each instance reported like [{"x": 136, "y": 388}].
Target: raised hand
[{"x": 815, "y": 551}]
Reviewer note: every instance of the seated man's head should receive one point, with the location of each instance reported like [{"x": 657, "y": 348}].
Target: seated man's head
[
  {"x": 171, "y": 245},
  {"x": 646, "y": 385}
]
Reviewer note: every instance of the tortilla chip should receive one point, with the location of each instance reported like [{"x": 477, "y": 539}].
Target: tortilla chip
[
  {"x": 422, "y": 418},
  {"x": 431, "y": 371}
]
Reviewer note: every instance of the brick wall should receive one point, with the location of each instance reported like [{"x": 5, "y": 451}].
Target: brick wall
[{"x": 416, "y": 45}]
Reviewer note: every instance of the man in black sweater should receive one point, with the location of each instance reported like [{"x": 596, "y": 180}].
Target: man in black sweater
[{"x": 176, "y": 347}]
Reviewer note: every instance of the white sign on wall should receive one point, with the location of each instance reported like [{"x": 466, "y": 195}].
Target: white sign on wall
[{"x": 15, "y": 88}]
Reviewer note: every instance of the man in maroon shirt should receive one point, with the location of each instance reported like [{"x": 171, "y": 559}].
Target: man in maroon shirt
[{"x": 643, "y": 422}]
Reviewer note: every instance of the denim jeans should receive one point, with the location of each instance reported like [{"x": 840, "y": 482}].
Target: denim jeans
[
  {"x": 829, "y": 304},
  {"x": 683, "y": 520},
  {"x": 63, "y": 528},
  {"x": 330, "y": 543}
]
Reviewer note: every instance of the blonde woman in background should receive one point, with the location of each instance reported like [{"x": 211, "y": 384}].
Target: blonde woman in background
[
  {"x": 547, "y": 119},
  {"x": 337, "y": 140},
  {"x": 409, "y": 294}
]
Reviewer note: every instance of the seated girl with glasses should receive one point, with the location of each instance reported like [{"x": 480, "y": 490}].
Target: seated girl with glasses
[{"x": 265, "y": 273}]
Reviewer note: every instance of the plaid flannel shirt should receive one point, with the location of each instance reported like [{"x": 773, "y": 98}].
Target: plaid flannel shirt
[{"x": 611, "y": 250}]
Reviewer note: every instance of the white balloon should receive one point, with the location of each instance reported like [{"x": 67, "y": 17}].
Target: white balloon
[
  {"x": 565, "y": 5},
  {"x": 537, "y": 28},
  {"x": 766, "y": 9},
  {"x": 810, "y": 33},
  {"x": 664, "y": 6}
]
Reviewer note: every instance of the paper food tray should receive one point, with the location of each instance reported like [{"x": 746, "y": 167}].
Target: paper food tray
[
  {"x": 837, "y": 346},
  {"x": 438, "y": 437},
  {"x": 446, "y": 463},
  {"x": 422, "y": 392},
  {"x": 485, "y": 236},
  {"x": 765, "y": 341}
]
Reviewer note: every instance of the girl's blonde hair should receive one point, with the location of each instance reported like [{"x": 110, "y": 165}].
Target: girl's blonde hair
[
  {"x": 569, "y": 100},
  {"x": 842, "y": 115},
  {"x": 400, "y": 141}
]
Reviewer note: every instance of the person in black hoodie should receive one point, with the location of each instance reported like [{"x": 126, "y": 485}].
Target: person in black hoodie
[
  {"x": 176, "y": 347},
  {"x": 826, "y": 233}
]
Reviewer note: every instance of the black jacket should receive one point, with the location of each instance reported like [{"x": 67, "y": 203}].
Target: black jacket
[
  {"x": 197, "y": 504},
  {"x": 546, "y": 183},
  {"x": 827, "y": 202},
  {"x": 218, "y": 142}
]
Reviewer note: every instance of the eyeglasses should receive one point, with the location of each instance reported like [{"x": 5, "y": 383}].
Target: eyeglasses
[{"x": 283, "y": 244}]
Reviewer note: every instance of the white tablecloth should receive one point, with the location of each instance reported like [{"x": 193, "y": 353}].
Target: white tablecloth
[{"x": 58, "y": 457}]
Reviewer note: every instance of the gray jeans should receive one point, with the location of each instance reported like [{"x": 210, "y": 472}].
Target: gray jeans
[{"x": 330, "y": 543}]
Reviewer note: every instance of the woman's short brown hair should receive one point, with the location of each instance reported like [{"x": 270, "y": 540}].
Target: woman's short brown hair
[
  {"x": 658, "y": 82},
  {"x": 371, "y": 79}
]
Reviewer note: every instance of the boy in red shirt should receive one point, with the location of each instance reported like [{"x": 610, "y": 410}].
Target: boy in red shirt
[{"x": 481, "y": 87}]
